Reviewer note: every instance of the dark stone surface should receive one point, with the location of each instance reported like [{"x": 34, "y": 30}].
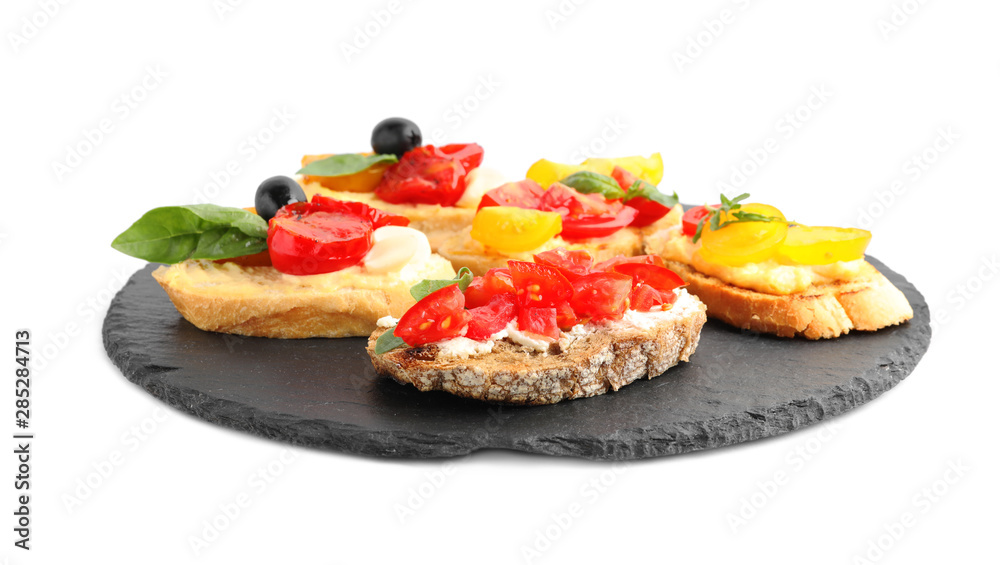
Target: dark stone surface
[{"x": 324, "y": 393}]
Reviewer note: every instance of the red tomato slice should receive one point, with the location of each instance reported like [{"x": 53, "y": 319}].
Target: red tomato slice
[
  {"x": 305, "y": 238},
  {"x": 594, "y": 227},
  {"x": 482, "y": 289},
  {"x": 694, "y": 215},
  {"x": 523, "y": 194},
  {"x": 624, "y": 178},
  {"x": 487, "y": 320},
  {"x": 647, "y": 211},
  {"x": 439, "y": 315},
  {"x": 644, "y": 298},
  {"x": 570, "y": 203},
  {"x": 660, "y": 278},
  {"x": 572, "y": 264},
  {"x": 538, "y": 321},
  {"x": 585, "y": 216},
  {"x": 539, "y": 285},
  {"x": 425, "y": 175},
  {"x": 469, "y": 154},
  {"x": 566, "y": 318},
  {"x": 610, "y": 264},
  {"x": 601, "y": 296},
  {"x": 378, "y": 217}
]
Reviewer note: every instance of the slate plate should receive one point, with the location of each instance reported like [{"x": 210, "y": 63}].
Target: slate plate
[{"x": 324, "y": 393}]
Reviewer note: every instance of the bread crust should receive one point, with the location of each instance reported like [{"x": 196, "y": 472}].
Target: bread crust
[
  {"x": 868, "y": 302},
  {"x": 304, "y": 313},
  {"x": 590, "y": 365},
  {"x": 463, "y": 251}
]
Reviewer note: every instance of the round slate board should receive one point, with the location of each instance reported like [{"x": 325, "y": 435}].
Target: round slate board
[{"x": 324, "y": 392}]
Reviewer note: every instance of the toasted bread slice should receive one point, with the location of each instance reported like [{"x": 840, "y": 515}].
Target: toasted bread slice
[
  {"x": 260, "y": 301},
  {"x": 590, "y": 360},
  {"x": 437, "y": 222},
  {"x": 463, "y": 251}
]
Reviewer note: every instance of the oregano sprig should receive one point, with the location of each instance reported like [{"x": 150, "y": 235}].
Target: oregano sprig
[{"x": 730, "y": 208}]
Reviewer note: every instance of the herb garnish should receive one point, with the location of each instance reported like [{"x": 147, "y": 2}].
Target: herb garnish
[{"x": 731, "y": 209}]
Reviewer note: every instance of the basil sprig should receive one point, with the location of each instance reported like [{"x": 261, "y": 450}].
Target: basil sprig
[
  {"x": 345, "y": 164},
  {"x": 172, "y": 234},
  {"x": 732, "y": 209},
  {"x": 589, "y": 182},
  {"x": 643, "y": 189},
  {"x": 388, "y": 340}
]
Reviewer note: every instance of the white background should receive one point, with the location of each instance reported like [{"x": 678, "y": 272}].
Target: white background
[{"x": 560, "y": 73}]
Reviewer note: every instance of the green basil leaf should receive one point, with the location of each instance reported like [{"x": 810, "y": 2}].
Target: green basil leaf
[
  {"x": 427, "y": 286},
  {"x": 643, "y": 189},
  {"x": 345, "y": 164},
  {"x": 388, "y": 341},
  {"x": 589, "y": 182},
  {"x": 172, "y": 234}
]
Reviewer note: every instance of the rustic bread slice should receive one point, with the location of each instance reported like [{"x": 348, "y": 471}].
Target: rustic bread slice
[
  {"x": 260, "y": 301},
  {"x": 585, "y": 362},
  {"x": 867, "y": 302},
  {"x": 463, "y": 251},
  {"x": 437, "y": 222}
]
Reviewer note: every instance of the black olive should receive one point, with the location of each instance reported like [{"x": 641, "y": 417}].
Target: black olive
[
  {"x": 395, "y": 136},
  {"x": 276, "y": 192}
]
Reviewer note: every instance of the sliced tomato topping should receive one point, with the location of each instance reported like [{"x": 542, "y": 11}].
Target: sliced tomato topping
[
  {"x": 523, "y": 194},
  {"x": 439, "y": 315},
  {"x": 573, "y": 264},
  {"x": 307, "y": 238},
  {"x": 601, "y": 296},
  {"x": 585, "y": 216},
  {"x": 378, "y": 217},
  {"x": 570, "y": 203},
  {"x": 692, "y": 216},
  {"x": 610, "y": 264},
  {"x": 469, "y": 154},
  {"x": 425, "y": 175},
  {"x": 647, "y": 211},
  {"x": 566, "y": 317},
  {"x": 482, "y": 289},
  {"x": 538, "y": 321},
  {"x": 644, "y": 298},
  {"x": 539, "y": 285},
  {"x": 492, "y": 317},
  {"x": 660, "y": 278}
]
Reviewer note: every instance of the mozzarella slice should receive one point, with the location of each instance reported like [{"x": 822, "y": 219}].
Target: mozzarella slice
[
  {"x": 477, "y": 183},
  {"x": 393, "y": 247}
]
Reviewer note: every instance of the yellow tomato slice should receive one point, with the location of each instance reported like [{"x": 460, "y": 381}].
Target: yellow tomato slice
[
  {"x": 744, "y": 242},
  {"x": 511, "y": 230},
  {"x": 362, "y": 181},
  {"x": 649, "y": 169},
  {"x": 822, "y": 245}
]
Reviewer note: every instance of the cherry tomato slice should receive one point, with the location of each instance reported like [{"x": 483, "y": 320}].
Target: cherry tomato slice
[
  {"x": 694, "y": 215},
  {"x": 538, "y": 321},
  {"x": 647, "y": 211},
  {"x": 585, "y": 216},
  {"x": 482, "y": 289},
  {"x": 523, "y": 194},
  {"x": 439, "y": 315},
  {"x": 570, "y": 203},
  {"x": 610, "y": 264},
  {"x": 572, "y": 264},
  {"x": 469, "y": 154},
  {"x": 594, "y": 227},
  {"x": 566, "y": 318},
  {"x": 492, "y": 317},
  {"x": 624, "y": 178},
  {"x": 601, "y": 296},
  {"x": 304, "y": 238},
  {"x": 378, "y": 217},
  {"x": 539, "y": 285},
  {"x": 660, "y": 278},
  {"x": 644, "y": 298},
  {"x": 425, "y": 175}
]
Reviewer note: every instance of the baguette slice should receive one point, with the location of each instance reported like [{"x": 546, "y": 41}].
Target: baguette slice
[
  {"x": 585, "y": 362},
  {"x": 867, "y": 302},
  {"x": 262, "y": 302}
]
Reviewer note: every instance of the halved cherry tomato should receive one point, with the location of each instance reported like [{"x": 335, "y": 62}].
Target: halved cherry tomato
[
  {"x": 524, "y": 194},
  {"x": 538, "y": 321},
  {"x": 307, "y": 238},
  {"x": 510, "y": 230},
  {"x": 425, "y": 175},
  {"x": 660, "y": 278},
  {"x": 648, "y": 211},
  {"x": 378, "y": 217},
  {"x": 644, "y": 298},
  {"x": 469, "y": 154},
  {"x": 482, "y": 289},
  {"x": 439, "y": 315},
  {"x": 694, "y": 215},
  {"x": 585, "y": 216},
  {"x": 572, "y": 264},
  {"x": 492, "y": 317},
  {"x": 610, "y": 264},
  {"x": 539, "y": 285},
  {"x": 601, "y": 295}
]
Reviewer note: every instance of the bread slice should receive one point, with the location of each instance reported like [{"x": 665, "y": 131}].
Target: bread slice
[
  {"x": 260, "y": 301},
  {"x": 867, "y": 302},
  {"x": 587, "y": 361},
  {"x": 463, "y": 251},
  {"x": 437, "y": 222}
]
